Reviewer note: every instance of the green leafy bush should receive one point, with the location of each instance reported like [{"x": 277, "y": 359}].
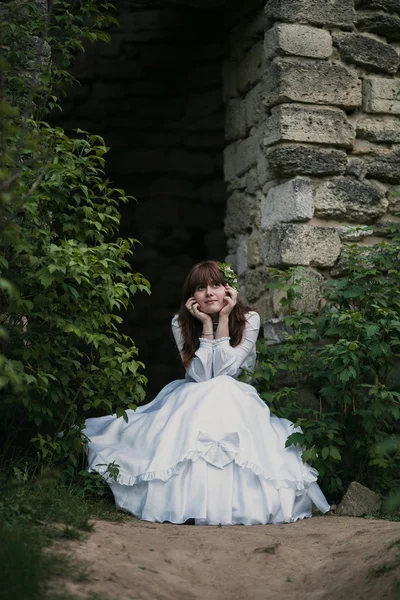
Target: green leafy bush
[
  {"x": 337, "y": 373},
  {"x": 65, "y": 276}
]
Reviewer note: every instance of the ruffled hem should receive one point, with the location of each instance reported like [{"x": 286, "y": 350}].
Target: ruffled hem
[{"x": 309, "y": 474}]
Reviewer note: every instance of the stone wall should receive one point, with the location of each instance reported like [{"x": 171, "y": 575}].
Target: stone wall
[
  {"x": 313, "y": 132},
  {"x": 155, "y": 94}
]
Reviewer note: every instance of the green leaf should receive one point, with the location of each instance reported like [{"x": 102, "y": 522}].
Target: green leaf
[
  {"x": 334, "y": 452},
  {"x": 325, "y": 452}
]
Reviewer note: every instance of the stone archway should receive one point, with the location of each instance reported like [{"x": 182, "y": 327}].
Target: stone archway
[{"x": 155, "y": 95}]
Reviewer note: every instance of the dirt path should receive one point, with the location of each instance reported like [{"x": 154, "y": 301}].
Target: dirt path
[{"x": 315, "y": 559}]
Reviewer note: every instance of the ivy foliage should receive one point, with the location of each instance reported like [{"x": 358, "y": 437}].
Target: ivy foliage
[
  {"x": 337, "y": 373},
  {"x": 65, "y": 276}
]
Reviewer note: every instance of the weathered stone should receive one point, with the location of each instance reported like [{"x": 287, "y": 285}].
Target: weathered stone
[
  {"x": 19, "y": 12},
  {"x": 290, "y": 160},
  {"x": 386, "y": 229},
  {"x": 264, "y": 172},
  {"x": 241, "y": 214},
  {"x": 347, "y": 198},
  {"x": 241, "y": 255},
  {"x": 385, "y": 166},
  {"x": 232, "y": 260},
  {"x": 253, "y": 252},
  {"x": 246, "y": 154},
  {"x": 382, "y": 95},
  {"x": 251, "y": 179},
  {"x": 367, "y": 52},
  {"x": 349, "y": 233},
  {"x": 305, "y": 245},
  {"x": 379, "y": 129},
  {"x": 394, "y": 201},
  {"x": 315, "y": 83},
  {"x": 380, "y": 23},
  {"x": 235, "y": 121},
  {"x": 250, "y": 67},
  {"x": 255, "y": 110},
  {"x": 240, "y": 156},
  {"x": 299, "y": 123},
  {"x": 297, "y": 40},
  {"x": 276, "y": 331},
  {"x": 41, "y": 53},
  {"x": 236, "y": 183},
  {"x": 356, "y": 167},
  {"x": 341, "y": 268},
  {"x": 256, "y": 281},
  {"x": 309, "y": 283},
  {"x": 290, "y": 202},
  {"x": 339, "y": 13},
  {"x": 358, "y": 501},
  {"x": 389, "y": 5}
]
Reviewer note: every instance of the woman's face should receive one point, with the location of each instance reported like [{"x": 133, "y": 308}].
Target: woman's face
[{"x": 210, "y": 297}]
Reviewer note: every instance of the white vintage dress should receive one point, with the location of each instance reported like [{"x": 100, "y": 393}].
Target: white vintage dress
[{"x": 206, "y": 448}]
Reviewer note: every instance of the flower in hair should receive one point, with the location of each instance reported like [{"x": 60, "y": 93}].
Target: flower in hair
[{"x": 229, "y": 275}]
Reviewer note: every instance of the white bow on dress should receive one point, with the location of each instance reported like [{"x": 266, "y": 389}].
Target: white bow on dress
[{"x": 218, "y": 452}]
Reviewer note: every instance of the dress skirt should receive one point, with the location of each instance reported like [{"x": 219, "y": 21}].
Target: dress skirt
[{"x": 207, "y": 451}]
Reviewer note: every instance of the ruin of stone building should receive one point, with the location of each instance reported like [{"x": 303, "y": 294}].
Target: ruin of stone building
[{"x": 266, "y": 134}]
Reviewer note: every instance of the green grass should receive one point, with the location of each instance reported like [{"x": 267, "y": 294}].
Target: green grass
[{"x": 34, "y": 514}]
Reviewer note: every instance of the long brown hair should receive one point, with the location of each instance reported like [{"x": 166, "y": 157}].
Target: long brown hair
[{"x": 205, "y": 273}]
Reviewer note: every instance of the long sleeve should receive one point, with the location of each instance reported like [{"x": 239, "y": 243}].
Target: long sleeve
[
  {"x": 201, "y": 366},
  {"x": 228, "y": 360},
  {"x": 218, "y": 357}
]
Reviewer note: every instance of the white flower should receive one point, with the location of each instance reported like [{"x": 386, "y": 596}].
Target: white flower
[{"x": 229, "y": 275}]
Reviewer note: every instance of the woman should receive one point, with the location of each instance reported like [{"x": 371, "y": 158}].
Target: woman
[{"x": 206, "y": 448}]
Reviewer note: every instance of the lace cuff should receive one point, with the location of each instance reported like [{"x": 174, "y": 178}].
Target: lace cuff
[
  {"x": 205, "y": 343},
  {"x": 221, "y": 341}
]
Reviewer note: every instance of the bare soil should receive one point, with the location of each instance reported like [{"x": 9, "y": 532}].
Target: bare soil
[{"x": 315, "y": 559}]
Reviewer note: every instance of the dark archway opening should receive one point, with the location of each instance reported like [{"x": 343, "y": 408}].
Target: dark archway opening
[{"x": 155, "y": 95}]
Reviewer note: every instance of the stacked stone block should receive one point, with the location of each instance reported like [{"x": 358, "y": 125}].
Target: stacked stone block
[{"x": 318, "y": 166}]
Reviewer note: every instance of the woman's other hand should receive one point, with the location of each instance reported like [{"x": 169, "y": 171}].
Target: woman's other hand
[
  {"x": 230, "y": 300},
  {"x": 193, "y": 307}
]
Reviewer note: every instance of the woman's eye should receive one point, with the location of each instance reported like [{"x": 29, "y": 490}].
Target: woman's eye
[{"x": 200, "y": 288}]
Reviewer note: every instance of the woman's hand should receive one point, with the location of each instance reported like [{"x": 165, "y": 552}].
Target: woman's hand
[
  {"x": 193, "y": 307},
  {"x": 230, "y": 301}
]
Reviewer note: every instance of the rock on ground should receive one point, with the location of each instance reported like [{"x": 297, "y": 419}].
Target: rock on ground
[{"x": 358, "y": 501}]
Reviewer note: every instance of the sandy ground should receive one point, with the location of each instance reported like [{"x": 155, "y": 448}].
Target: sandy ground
[{"x": 318, "y": 558}]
